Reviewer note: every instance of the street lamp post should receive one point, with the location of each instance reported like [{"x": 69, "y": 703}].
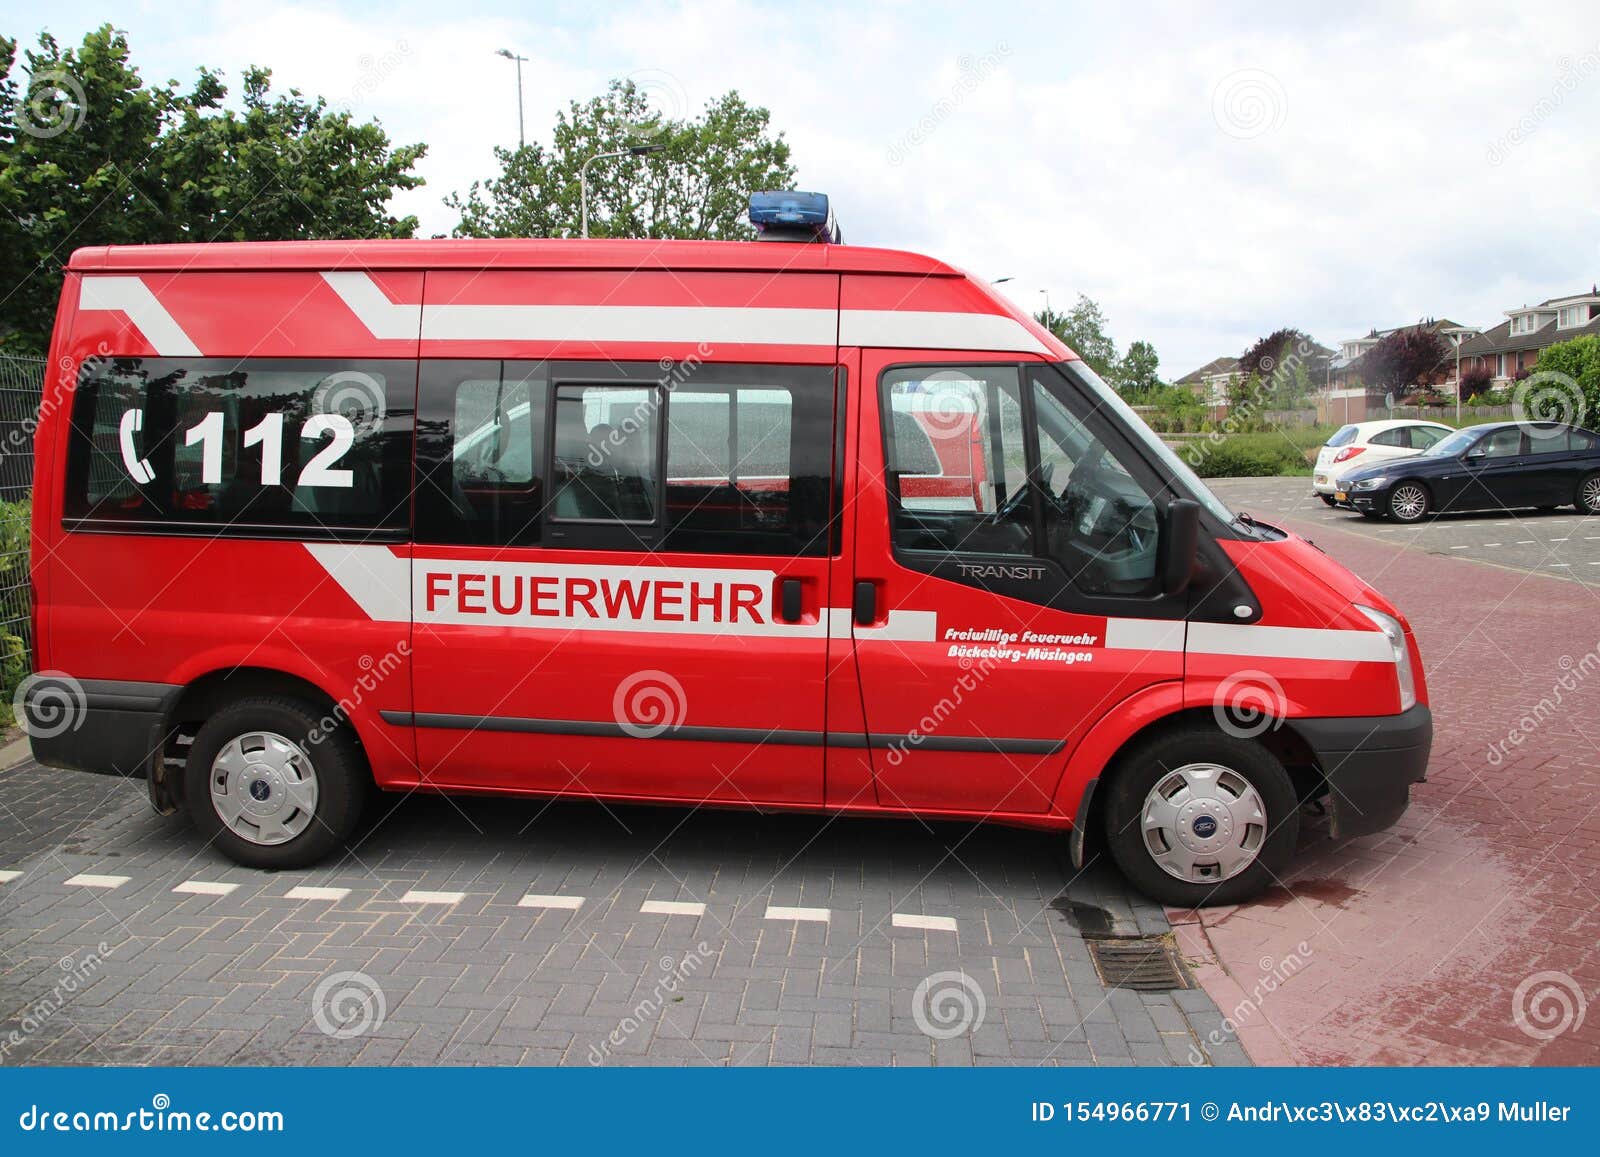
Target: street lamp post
[
  {"x": 522, "y": 139},
  {"x": 1459, "y": 339},
  {"x": 583, "y": 175}
]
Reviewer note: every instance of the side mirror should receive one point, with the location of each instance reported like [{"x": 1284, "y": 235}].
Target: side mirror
[
  {"x": 1476, "y": 454},
  {"x": 1183, "y": 545}
]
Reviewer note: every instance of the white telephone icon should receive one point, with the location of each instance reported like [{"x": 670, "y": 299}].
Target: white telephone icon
[{"x": 138, "y": 469}]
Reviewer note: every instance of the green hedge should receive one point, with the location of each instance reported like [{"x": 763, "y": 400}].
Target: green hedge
[{"x": 1250, "y": 455}]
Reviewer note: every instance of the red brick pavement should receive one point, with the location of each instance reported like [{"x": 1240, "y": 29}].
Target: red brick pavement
[{"x": 1409, "y": 947}]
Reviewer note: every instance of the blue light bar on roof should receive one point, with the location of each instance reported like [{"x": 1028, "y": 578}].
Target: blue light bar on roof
[{"x": 793, "y": 216}]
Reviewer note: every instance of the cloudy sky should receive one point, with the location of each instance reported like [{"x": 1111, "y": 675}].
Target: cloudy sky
[{"x": 1207, "y": 177}]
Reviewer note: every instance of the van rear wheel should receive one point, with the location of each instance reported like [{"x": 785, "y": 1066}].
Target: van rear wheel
[
  {"x": 271, "y": 787},
  {"x": 1198, "y": 817}
]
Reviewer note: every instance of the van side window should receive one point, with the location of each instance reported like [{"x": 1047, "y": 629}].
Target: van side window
[
  {"x": 251, "y": 446},
  {"x": 957, "y": 462},
  {"x": 481, "y": 480},
  {"x": 605, "y": 454}
]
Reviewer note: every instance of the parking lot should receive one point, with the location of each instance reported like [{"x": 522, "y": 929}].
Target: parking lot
[
  {"x": 494, "y": 932},
  {"x": 486, "y": 932},
  {"x": 1561, "y": 543}
]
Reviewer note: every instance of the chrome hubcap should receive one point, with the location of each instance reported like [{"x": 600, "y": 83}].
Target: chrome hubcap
[
  {"x": 1408, "y": 502},
  {"x": 264, "y": 788},
  {"x": 1204, "y": 823},
  {"x": 1591, "y": 494}
]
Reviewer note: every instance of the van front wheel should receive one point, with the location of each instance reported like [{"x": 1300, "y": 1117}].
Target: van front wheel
[
  {"x": 1198, "y": 817},
  {"x": 271, "y": 787}
]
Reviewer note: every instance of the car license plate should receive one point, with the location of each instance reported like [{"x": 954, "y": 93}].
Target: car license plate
[{"x": 1340, "y": 496}]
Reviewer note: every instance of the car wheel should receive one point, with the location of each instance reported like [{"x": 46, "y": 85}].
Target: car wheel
[
  {"x": 270, "y": 787},
  {"x": 1327, "y": 500},
  {"x": 1588, "y": 496},
  {"x": 1198, "y": 817},
  {"x": 1408, "y": 502}
]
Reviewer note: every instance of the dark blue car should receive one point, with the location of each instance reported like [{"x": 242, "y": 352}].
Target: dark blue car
[{"x": 1496, "y": 466}]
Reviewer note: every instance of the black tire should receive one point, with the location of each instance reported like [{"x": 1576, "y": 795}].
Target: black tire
[
  {"x": 1328, "y": 500},
  {"x": 1586, "y": 495},
  {"x": 1144, "y": 765},
  {"x": 343, "y": 781},
  {"x": 1409, "y": 502}
]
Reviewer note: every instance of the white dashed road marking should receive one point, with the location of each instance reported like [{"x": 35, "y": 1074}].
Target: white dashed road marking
[
  {"x": 672, "y": 908},
  {"x": 417, "y": 897},
  {"x": 1491, "y": 544},
  {"x": 778, "y": 912},
  {"x": 930, "y": 923},
  {"x": 7, "y": 876},
  {"x": 307, "y": 892},
  {"x": 89, "y": 880},
  {"x": 573, "y": 903},
  {"x": 204, "y": 888}
]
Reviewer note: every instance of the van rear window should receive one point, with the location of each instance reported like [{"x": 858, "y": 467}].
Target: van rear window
[{"x": 250, "y": 446}]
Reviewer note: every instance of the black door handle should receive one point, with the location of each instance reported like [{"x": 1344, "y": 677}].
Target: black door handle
[
  {"x": 866, "y": 608},
  {"x": 789, "y": 596}
]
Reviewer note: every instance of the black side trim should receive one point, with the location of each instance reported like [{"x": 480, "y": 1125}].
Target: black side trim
[
  {"x": 720, "y": 734},
  {"x": 107, "y": 726}
]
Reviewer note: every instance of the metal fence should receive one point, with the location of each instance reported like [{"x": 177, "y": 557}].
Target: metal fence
[{"x": 21, "y": 388}]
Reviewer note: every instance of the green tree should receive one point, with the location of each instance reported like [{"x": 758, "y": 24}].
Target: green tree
[
  {"x": 1139, "y": 372},
  {"x": 697, "y": 186},
  {"x": 91, "y": 155},
  {"x": 1083, "y": 329},
  {"x": 1579, "y": 361}
]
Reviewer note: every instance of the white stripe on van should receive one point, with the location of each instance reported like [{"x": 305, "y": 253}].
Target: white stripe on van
[
  {"x": 754, "y": 325},
  {"x": 1258, "y": 642},
  {"x": 132, "y": 297}
]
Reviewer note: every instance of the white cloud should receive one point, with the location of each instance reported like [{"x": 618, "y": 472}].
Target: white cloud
[{"x": 1090, "y": 160}]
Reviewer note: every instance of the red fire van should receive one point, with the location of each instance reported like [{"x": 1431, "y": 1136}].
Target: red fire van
[{"x": 789, "y": 524}]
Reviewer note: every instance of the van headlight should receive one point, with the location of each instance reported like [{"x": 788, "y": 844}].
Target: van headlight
[
  {"x": 1369, "y": 484},
  {"x": 1396, "y": 634}
]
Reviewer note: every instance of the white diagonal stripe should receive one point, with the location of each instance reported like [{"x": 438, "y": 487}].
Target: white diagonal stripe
[
  {"x": 131, "y": 296},
  {"x": 672, "y": 908},
  {"x": 90, "y": 880},
  {"x": 7, "y": 876},
  {"x": 927, "y": 923},
  {"x": 204, "y": 888},
  {"x": 779, "y": 912},
  {"x": 416, "y": 896},
  {"x": 570, "y": 902},
  {"x": 308, "y": 892}
]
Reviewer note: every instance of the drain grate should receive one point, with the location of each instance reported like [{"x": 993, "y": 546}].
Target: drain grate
[{"x": 1139, "y": 965}]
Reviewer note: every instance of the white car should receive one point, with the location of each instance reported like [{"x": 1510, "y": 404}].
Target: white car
[{"x": 1365, "y": 443}]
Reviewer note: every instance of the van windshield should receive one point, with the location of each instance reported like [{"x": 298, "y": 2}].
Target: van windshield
[{"x": 1095, "y": 388}]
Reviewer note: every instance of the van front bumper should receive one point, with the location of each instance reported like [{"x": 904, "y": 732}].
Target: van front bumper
[
  {"x": 107, "y": 726},
  {"x": 1370, "y": 763}
]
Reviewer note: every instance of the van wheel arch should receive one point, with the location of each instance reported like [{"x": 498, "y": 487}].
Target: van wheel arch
[
  {"x": 210, "y": 693},
  {"x": 1281, "y": 739}
]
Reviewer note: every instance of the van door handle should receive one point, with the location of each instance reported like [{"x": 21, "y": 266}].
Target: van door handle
[
  {"x": 866, "y": 608},
  {"x": 789, "y": 600}
]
